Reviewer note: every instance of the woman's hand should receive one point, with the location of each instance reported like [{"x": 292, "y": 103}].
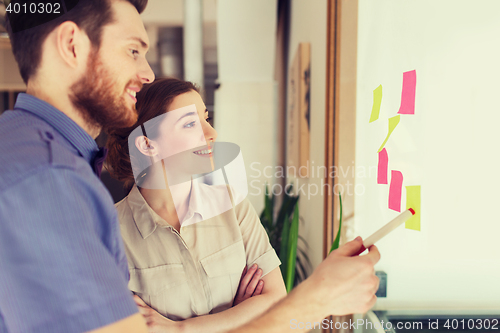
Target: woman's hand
[
  {"x": 250, "y": 284},
  {"x": 155, "y": 321}
]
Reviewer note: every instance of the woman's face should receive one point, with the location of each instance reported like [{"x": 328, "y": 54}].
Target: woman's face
[
  {"x": 186, "y": 127},
  {"x": 185, "y": 135}
]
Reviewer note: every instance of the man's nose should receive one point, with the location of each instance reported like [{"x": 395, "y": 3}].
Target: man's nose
[{"x": 146, "y": 74}]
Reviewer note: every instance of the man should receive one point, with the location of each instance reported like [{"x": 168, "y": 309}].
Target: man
[
  {"x": 63, "y": 264},
  {"x": 63, "y": 268}
]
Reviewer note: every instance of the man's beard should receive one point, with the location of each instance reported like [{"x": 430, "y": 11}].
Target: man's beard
[{"x": 93, "y": 95}]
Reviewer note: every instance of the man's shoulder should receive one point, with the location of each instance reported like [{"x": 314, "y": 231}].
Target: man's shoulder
[{"x": 29, "y": 145}]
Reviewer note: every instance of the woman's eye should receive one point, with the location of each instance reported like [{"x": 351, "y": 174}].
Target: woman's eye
[
  {"x": 190, "y": 125},
  {"x": 209, "y": 120},
  {"x": 135, "y": 53}
]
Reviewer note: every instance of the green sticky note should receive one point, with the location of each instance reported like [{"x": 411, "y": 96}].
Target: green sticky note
[
  {"x": 393, "y": 122},
  {"x": 413, "y": 201},
  {"x": 377, "y": 100}
]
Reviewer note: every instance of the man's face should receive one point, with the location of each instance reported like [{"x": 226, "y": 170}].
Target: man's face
[{"x": 116, "y": 72}]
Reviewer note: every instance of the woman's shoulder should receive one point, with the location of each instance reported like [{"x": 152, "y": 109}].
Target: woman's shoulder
[
  {"x": 122, "y": 206},
  {"x": 124, "y": 210},
  {"x": 128, "y": 203},
  {"x": 130, "y": 230}
]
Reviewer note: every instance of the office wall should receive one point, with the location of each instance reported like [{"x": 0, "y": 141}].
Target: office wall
[
  {"x": 10, "y": 79},
  {"x": 246, "y": 103},
  {"x": 308, "y": 24},
  {"x": 171, "y": 12}
]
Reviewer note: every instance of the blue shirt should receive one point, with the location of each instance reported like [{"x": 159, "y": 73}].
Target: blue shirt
[{"x": 62, "y": 263}]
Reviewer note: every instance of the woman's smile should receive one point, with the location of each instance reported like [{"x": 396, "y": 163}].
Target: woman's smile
[{"x": 204, "y": 152}]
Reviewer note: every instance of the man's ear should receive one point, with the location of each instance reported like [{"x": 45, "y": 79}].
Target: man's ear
[
  {"x": 146, "y": 146},
  {"x": 71, "y": 44}
]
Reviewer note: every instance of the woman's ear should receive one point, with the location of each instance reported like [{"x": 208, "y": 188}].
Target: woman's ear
[{"x": 146, "y": 146}]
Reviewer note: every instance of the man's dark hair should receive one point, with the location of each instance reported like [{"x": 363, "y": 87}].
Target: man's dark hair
[{"x": 27, "y": 34}]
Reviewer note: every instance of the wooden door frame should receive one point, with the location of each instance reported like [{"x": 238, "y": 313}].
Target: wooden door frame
[
  {"x": 340, "y": 119},
  {"x": 331, "y": 126},
  {"x": 331, "y": 119}
]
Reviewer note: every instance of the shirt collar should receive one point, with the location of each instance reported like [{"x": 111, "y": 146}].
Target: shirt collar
[
  {"x": 147, "y": 220},
  {"x": 145, "y": 217},
  {"x": 207, "y": 201},
  {"x": 195, "y": 204},
  {"x": 70, "y": 130}
]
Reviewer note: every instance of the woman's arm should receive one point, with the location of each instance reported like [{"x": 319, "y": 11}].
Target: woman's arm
[
  {"x": 250, "y": 284},
  {"x": 274, "y": 290},
  {"x": 343, "y": 283}
]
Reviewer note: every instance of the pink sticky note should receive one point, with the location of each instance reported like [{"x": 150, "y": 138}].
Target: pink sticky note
[
  {"x": 408, "y": 93},
  {"x": 395, "y": 190},
  {"x": 383, "y": 161}
]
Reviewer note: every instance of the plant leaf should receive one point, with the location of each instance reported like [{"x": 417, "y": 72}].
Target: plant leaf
[
  {"x": 292, "y": 250},
  {"x": 336, "y": 242},
  {"x": 268, "y": 210},
  {"x": 285, "y": 233},
  {"x": 287, "y": 207},
  {"x": 299, "y": 272},
  {"x": 279, "y": 232},
  {"x": 303, "y": 254}
]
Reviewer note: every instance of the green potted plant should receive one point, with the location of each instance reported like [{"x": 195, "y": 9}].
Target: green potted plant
[{"x": 283, "y": 231}]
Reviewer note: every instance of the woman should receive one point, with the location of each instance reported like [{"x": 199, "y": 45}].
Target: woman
[{"x": 186, "y": 242}]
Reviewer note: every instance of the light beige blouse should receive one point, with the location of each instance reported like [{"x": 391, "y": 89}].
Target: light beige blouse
[{"x": 197, "y": 271}]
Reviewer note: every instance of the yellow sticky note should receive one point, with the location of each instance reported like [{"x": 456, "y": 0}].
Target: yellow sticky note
[
  {"x": 413, "y": 201},
  {"x": 393, "y": 122},
  {"x": 377, "y": 100}
]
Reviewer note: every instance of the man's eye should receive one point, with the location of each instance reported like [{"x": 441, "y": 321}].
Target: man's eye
[
  {"x": 189, "y": 125},
  {"x": 209, "y": 120},
  {"x": 135, "y": 53}
]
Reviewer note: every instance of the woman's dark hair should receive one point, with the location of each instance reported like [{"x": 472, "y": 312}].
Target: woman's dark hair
[
  {"x": 28, "y": 31},
  {"x": 152, "y": 101}
]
